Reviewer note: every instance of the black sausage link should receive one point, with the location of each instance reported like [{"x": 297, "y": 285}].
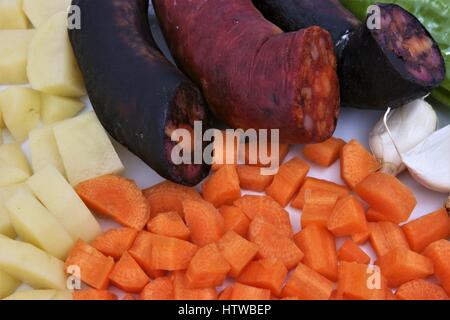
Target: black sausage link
[{"x": 138, "y": 95}]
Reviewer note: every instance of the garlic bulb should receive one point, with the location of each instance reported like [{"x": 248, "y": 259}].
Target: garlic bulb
[{"x": 408, "y": 126}]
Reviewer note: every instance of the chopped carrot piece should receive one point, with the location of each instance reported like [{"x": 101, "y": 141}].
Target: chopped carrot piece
[
  {"x": 356, "y": 163},
  {"x": 237, "y": 251},
  {"x": 168, "y": 196},
  {"x": 128, "y": 275},
  {"x": 93, "y": 294},
  {"x": 373, "y": 215},
  {"x": 318, "y": 208},
  {"x": 313, "y": 184},
  {"x": 182, "y": 292},
  {"x": 128, "y": 296},
  {"x": 208, "y": 268},
  {"x": 273, "y": 244},
  {"x": 388, "y": 195},
  {"x": 307, "y": 284},
  {"x": 115, "y": 242},
  {"x": 335, "y": 295},
  {"x": 420, "y": 289},
  {"x": 361, "y": 237},
  {"x": 117, "y": 198},
  {"x": 156, "y": 252},
  {"x": 225, "y": 152},
  {"x": 439, "y": 253},
  {"x": 427, "y": 229},
  {"x": 348, "y": 217},
  {"x": 319, "y": 247},
  {"x": 250, "y": 178},
  {"x": 325, "y": 153},
  {"x": 360, "y": 282},
  {"x": 401, "y": 265},
  {"x": 235, "y": 220},
  {"x": 222, "y": 187},
  {"x": 385, "y": 236},
  {"x": 287, "y": 181},
  {"x": 245, "y": 292},
  {"x": 204, "y": 221},
  {"x": 250, "y": 156},
  {"x": 268, "y": 209},
  {"x": 94, "y": 266},
  {"x": 158, "y": 289},
  {"x": 226, "y": 293},
  {"x": 350, "y": 252},
  {"x": 266, "y": 274},
  {"x": 169, "y": 224}
]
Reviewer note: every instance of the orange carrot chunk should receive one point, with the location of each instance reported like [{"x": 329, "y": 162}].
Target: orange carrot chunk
[
  {"x": 235, "y": 220},
  {"x": 128, "y": 275},
  {"x": 427, "y": 229},
  {"x": 94, "y": 266},
  {"x": 222, "y": 187},
  {"x": 158, "y": 289},
  {"x": 93, "y": 294},
  {"x": 268, "y": 209},
  {"x": 287, "y": 181},
  {"x": 350, "y": 252},
  {"x": 155, "y": 252},
  {"x": 421, "y": 290},
  {"x": 319, "y": 248},
  {"x": 169, "y": 224},
  {"x": 401, "y": 265},
  {"x": 356, "y": 163},
  {"x": 226, "y": 293},
  {"x": 307, "y": 284},
  {"x": 385, "y": 236},
  {"x": 266, "y": 274},
  {"x": 168, "y": 196},
  {"x": 325, "y": 153},
  {"x": 182, "y": 292},
  {"x": 250, "y": 178},
  {"x": 360, "y": 282},
  {"x": 237, "y": 251},
  {"x": 117, "y": 198},
  {"x": 225, "y": 152},
  {"x": 313, "y": 184},
  {"x": 245, "y": 292},
  {"x": 208, "y": 268},
  {"x": 318, "y": 208},
  {"x": 115, "y": 242},
  {"x": 204, "y": 221},
  {"x": 273, "y": 244},
  {"x": 373, "y": 215},
  {"x": 252, "y": 154},
  {"x": 388, "y": 195},
  {"x": 347, "y": 218},
  {"x": 361, "y": 237},
  {"x": 439, "y": 253}
]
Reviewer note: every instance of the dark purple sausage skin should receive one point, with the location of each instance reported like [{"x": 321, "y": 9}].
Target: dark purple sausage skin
[
  {"x": 138, "y": 95},
  {"x": 252, "y": 74},
  {"x": 377, "y": 68}
]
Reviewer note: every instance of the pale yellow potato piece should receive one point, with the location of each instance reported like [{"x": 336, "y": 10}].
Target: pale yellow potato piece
[
  {"x": 7, "y": 284},
  {"x": 54, "y": 108},
  {"x": 11, "y": 175},
  {"x": 13, "y": 55},
  {"x": 62, "y": 295},
  {"x": 31, "y": 265},
  {"x": 48, "y": 294},
  {"x": 6, "y": 228},
  {"x": 85, "y": 148},
  {"x": 39, "y": 11},
  {"x": 36, "y": 225},
  {"x": 52, "y": 67},
  {"x": 12, "y": 154},
  {"x": 55, "y": 193},
  {"x": 12, "y": 15},
  {"x": 44, "y": 151},
  {"x": 21, "y": 110}
]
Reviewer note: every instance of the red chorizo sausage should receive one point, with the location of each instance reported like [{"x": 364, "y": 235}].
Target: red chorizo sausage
[{"x": 252, "y": 74}]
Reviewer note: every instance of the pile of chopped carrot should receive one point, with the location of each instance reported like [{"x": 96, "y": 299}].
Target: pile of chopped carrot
[{"x": 178, "y": 243}]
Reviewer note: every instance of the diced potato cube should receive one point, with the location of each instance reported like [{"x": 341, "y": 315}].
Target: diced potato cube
[
  {"x": 12, "y": 154},
  {"x": 32, "y": 295},
  {"x": 54, "y": 108},
  {"x": 12, "y": 15},
  {"x": 7, "y": 284},
  {"x": 6, "y": 227},
  {"x": 13, "y": 55},
  {"x": 36, "y": 225},
  {"x": 39, "y": 11},
  {"x": 52, "y": 67},
  {"x": 44, "y": 151},
  {"x": 21, "y": 110},
  {"x": 11, "y": 175},
  {"x": 55, "y": 193},
  {"x": 85, "y": 148},
  {"x": 31, "y": 265}
]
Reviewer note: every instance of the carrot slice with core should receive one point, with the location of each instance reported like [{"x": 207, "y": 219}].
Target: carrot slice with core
[
  {"x": 128, "y": 275},
  {"x": 421, "y": 290}
]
